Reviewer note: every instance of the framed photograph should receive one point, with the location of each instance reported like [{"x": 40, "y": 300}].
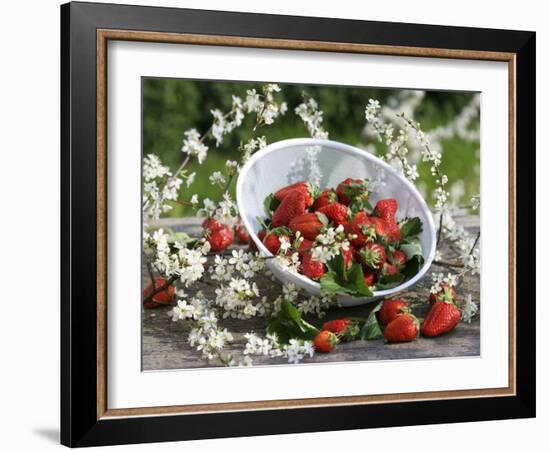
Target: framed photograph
[{"x": 276, "y": 224}]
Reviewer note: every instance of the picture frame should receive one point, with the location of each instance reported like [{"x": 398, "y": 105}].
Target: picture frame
[{"x": 86, "y": 418}]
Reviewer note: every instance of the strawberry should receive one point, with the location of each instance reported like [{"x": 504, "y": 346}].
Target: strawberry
[
  {"x": 272, "y": 241},
  {"x": 252, "y": 246},
  {"x": 292, "y": 205},
  {"x": 349, "y": 256},
  {"x": 359, "y": 226},
  {"x": 163, "y": 297},
  {"x": 336, "y": 213},
  {"x": 373, "y": 255},
  {"x": 398, "y": 258},
  {"x": 370, "y": 277},
  {"x": 306, "y": 189},
  {"x": 445, "y": 293},
  {"x": 211, "y": 224},
  {"x": 304, "y": 247},
  {"x": 349, "y": 189},
  {"x": 391, "y": 309},
  {"x": 241, "y": 233},
  {"x": 393, "y": 234},
  {"x": 325, "y": 341},
  {"x": 218, "y": 235},
  {"x": 442, "y": 318},
  {"x": 386, "y": 209},
  {"x": 404, "y": 328},
  {"x": 312, "y": 268},
  {"x": 344, "y": 329},
  {"x": 309, "y": 225},
  {"x": 326, "y": 197},
  {"x": 389, "y": 269}
]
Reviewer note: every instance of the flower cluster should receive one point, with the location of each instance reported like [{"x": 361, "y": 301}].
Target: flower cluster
[
  {"x": 329, "y": 244},
  {"x": 312, "y": 117},
  {"x": 224, "y": 124},
  {"x": 294, "y": 351},
  {"x": 265, "y": 106},
  {"x": 193, "y": 145},
  {"x": 159, "y": 186}
]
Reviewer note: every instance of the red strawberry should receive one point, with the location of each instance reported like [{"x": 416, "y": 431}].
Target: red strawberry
[
  {"x": 370, "y": 278},
  {"x": 349, "y": 189},
  {"x": 252, "y": 246},
  {"x": 211, "y": 224},
  {"x": 391, "y": 309},
  {"x": 386, "y": 209},
  {"x": 325, "y": 341},
  {"x": 336, "y": 213},
  {"x": 336, "y": 326},
  {"x": 272, "y": 241},
  {"x": 218, "y": 235},
  {"x": 163, "y": 297},
  {"x": 398, "y": 258},
  {"x": 404, "y": 328},
  {"x": 442, "y": 318},
  {"x": 312, "y": 268},
  {"x": 373, "y": 255},
  {"x": 304, "y": 247},
  {"x": 309, "y": 225},
  {"x": 393, "y": 234},
  {"x": 389, "y": 269},
  {"x": 445, "y": 293},
  {"x": 358, "y": 226},
  {"x": 349, "y": 256},
  {"x": 326, "y": 197},
  {"x": 293, "y": 205},
  {"x": 241, "y": 233},
  {"x": 305, "y": 188},
  {"x": 344, "y": 329}
]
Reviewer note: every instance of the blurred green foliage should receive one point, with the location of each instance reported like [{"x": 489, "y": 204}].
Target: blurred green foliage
[{"x": 171, "y": 106}]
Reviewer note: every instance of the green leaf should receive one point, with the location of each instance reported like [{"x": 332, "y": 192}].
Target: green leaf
[
  {"x": 338, "y": 265},
  {"x": 289, "y": 324},
  {"x": 371, "y": 328},
  {"x": 389, "y": 281},
  {"x": 270, "y": 204},
  {"x": 410, "y": 227},
  {"x": 339, "y": 281},
  {"x": 412, "y": 249},
  {"x": 357, "y": 281},
  {"x": 329, "y": 283},
  {"x": 179, "y": 236},
  {"x": 412, "y": 266}
]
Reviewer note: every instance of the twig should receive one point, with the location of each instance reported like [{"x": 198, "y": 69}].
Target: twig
[
  {"x": 448, "y": 264},
  {"x": 475, "y": 243}
]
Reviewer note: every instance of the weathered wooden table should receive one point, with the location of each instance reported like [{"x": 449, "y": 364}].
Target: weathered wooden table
[{"x": 165, "y": 346}]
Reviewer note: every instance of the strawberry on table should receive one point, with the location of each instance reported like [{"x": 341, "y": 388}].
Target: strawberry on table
[
  {"x": 161, "y": 298},
  {"x": 442, "y": 318},
  {"x": 336, "y": 213},
  {"x": 404, "y": 328},
  {"x": 308, "y": 190},
  {"x": 326, "y": 197},
  {"x": 311, "y": 267},
  {"x": 309, "y": 225},
  {"x": 391, "y": 308},
  {"x": 325, "y": 341},
  {"x": 344, "y": 329},
  {"x": 218, "y": 235},
  {"x": 445, "y": 293},
  {"x": 241, "y": 233},
  {"x": 292, "y": 205}
]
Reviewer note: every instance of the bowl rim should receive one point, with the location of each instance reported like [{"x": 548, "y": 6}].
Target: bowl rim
[{"x": 346, "y": 148}]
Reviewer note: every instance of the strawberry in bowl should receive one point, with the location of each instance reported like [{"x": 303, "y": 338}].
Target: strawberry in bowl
[{"x": 362, "y": 229}]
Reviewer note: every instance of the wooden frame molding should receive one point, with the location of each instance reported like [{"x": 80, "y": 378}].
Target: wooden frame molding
[{"x": 103, "y": 36}]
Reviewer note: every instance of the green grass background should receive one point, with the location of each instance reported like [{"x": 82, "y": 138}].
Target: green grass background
[{"x": 171, "y": 106}]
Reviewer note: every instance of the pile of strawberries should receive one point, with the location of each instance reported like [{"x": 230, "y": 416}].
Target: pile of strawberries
[
  {"x": 397, "y": 321},
  {"x": 374, "y": 233}
]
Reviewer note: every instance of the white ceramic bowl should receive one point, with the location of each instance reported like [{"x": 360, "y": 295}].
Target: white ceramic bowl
[{"x": 326, "y": 163}]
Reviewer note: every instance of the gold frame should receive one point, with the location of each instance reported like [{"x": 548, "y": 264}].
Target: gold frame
[{"x": 103, "y": 36}]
